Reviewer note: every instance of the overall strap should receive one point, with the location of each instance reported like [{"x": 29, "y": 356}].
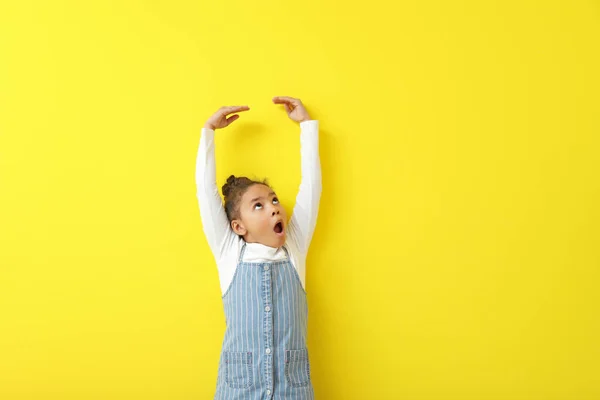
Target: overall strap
[
  {"x": 286, "y": 252},
  {"x": 242, "y": 252}
]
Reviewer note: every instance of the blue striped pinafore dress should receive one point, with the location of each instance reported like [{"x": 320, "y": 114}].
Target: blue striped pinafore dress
[{"x": 264, "y": 353}]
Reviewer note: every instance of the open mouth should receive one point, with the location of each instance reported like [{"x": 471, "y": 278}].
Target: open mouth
[{"x": 278, "y": 227}]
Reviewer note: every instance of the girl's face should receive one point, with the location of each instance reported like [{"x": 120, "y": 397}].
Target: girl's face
[{"x": 263, "y": 219}]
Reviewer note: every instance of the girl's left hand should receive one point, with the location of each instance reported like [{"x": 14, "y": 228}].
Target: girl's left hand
[{"x": 294, "y": 108}]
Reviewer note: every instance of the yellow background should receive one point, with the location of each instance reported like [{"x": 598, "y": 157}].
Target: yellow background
[{"x": 456, "y": 254}]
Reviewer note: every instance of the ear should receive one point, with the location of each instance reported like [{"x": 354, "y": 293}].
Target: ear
[{"x": 238, "y": 227}]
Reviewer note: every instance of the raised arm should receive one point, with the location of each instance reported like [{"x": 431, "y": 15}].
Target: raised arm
[
  {"x": 304, "y": 217},
  {"x": 306, "y": 209},
  {"x": 212, "y": 213}
]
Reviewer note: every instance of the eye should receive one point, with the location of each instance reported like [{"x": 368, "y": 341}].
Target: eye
[
  {"x": 275, "y": 200},
  {"x": 257, "y": 205}
]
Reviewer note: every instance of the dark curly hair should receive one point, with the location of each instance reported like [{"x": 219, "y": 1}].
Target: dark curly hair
[{"x": 233, "y": 190}]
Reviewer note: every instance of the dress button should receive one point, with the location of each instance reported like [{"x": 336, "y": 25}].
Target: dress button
[
  {"x": 268, "y": 351},
  {"x": 266, "y": 267},
  {"x": 267, "y": 308},
  {"x": 268, "y": 392}
]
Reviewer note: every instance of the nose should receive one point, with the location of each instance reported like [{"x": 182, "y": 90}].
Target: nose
[{"x": 275, "y": 210}]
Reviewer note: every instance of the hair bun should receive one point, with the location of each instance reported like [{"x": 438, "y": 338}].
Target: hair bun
[{"x": 231, "y": 181}]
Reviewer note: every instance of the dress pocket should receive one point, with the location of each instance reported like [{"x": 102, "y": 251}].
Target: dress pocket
[
  {"x": 238, "y": 369},
  {"x": 297, "y": 367}
]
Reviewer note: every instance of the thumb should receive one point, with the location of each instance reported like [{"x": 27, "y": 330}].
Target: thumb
[{"x": 232, "y": 118}]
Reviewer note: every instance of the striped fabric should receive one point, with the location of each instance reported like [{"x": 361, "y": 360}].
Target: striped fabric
[{"x": 264, "y": 354}]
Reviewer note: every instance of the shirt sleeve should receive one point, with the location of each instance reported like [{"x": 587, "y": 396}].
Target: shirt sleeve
[
  {"x": 304, "y": 217},
  {"x": 212, "y": 212}
]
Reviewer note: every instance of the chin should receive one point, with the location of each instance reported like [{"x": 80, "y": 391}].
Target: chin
[{"x": 280, "y": 240}]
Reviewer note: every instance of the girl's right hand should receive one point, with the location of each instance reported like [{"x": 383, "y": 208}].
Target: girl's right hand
[{"x": 219, "y": 119}]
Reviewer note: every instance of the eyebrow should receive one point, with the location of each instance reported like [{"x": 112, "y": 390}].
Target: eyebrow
[{"x": 258, "y": 198}]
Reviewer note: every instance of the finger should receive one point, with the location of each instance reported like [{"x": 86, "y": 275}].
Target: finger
[
  {"x": 233, "y": 109},
  {"x": 286, "y": 99},
  {"x": 283, "y": 99},
  {"x": 232, "y": 118},
  {"x": 288, "y": 109}
]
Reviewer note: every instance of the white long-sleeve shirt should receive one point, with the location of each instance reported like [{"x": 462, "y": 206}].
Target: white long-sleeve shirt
[{"x": 226, "y": 244}]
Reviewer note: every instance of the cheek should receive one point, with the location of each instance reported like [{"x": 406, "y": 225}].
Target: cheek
[
  {"x": 266, "y": 224},
  {"x": 258, "y": 223}
]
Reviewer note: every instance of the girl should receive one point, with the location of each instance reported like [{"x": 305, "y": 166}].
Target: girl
[{"x": 261, "y": 259}]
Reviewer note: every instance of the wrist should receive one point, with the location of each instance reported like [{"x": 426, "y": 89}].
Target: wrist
[{"x": 209, "y": 126}]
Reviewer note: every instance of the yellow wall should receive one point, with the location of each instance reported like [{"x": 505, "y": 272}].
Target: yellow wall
[{"x": 457, "y": 250}]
